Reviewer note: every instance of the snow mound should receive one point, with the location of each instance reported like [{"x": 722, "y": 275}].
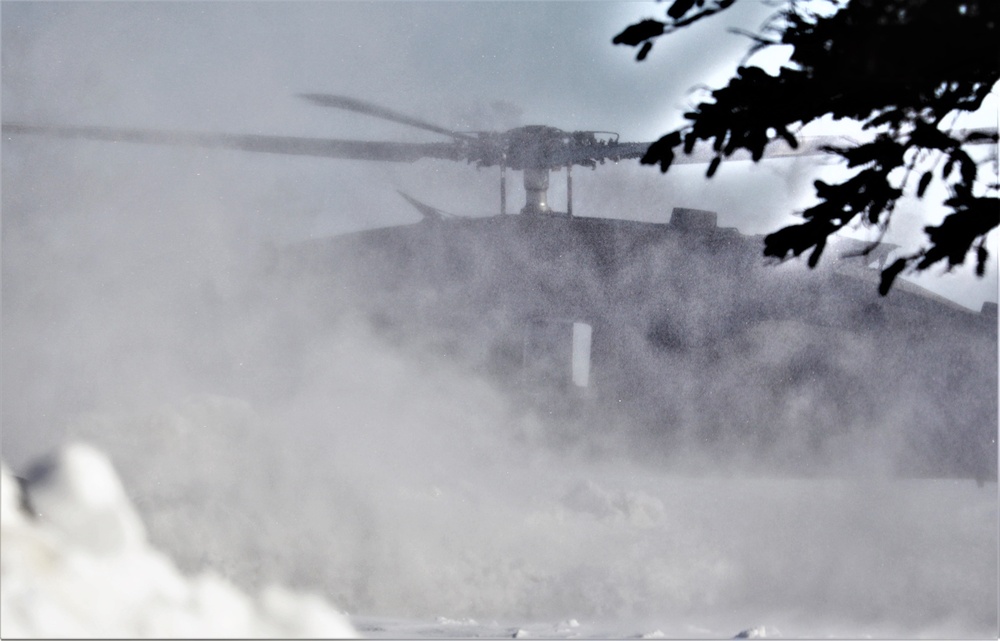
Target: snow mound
[{"x": 75, "y": 562}]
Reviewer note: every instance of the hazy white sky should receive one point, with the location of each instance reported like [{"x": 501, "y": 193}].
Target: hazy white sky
[
  {"x": 237, "y": 67},
  {"x": 236, "y": 63}
]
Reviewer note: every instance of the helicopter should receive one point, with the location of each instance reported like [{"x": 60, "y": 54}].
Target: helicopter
[{"x": 674, "y": 331}]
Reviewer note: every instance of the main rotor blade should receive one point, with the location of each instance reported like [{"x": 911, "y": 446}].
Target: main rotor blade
[
  {"x": 703, "y": 152},
  {"x": 369, "y": 109},
  {"x": 426, "y": 211},
  {"x": 588, "y": 154},
  {"x": 322, "y": 147}
]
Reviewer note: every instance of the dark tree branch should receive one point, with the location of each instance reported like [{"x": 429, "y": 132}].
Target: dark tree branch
[
  {"x": 642, "y": 34},
  {"x": 901, "y": 68}
]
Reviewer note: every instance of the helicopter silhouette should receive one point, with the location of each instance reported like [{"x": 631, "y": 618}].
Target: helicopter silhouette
[{"x": 679, "y": 322}]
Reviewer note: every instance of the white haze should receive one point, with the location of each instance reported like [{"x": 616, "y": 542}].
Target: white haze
[{"x": 266, "y": 444}]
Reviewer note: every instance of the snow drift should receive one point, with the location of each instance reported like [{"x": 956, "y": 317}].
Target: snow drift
[{"x": 75, "y": 562}]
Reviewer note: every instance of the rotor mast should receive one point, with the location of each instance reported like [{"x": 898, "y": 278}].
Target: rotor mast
[
  {"x": 536, "y": 189},
  {"x": 536, "y": 186}
]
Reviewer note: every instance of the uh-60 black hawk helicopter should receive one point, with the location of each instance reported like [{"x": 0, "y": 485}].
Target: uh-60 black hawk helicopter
[{"x": 677, "y": 332}]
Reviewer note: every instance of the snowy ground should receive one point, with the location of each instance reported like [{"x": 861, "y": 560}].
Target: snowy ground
[
  {"x": 604, "y": 554},
  {"x": 418, "y": 503},
  {"x": 655, "y": 555}
]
